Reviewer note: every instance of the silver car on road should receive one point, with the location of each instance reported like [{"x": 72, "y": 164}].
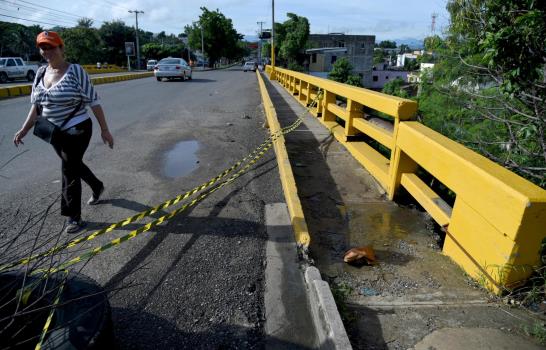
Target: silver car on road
[{"x": 172, "y": 68}]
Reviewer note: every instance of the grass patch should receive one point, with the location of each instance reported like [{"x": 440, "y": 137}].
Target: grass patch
[
  {"x": 537, "y": 331},
  {"x": 341, "y": 292}
]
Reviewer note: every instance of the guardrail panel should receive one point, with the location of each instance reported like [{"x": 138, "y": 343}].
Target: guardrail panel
[
  {"x": 394, "y": 106},
  {"x": 498, "y": 221},
  {"x": 473, "y": 177},
  {"x": 375, "y": 132},
  {"x": 485, "y": 253}
]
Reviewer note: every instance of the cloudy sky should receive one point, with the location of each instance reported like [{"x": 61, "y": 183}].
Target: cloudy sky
[{"x": 386, "y": 19}]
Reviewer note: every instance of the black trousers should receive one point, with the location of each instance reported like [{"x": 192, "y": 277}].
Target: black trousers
[{"x": 71, "y": 148}]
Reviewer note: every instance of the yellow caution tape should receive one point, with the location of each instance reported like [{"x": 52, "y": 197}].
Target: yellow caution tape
[
  {"x": 255, "y": 155},
  {"x": 51, "y": 312},
  {"x": 95, "y": 251}
]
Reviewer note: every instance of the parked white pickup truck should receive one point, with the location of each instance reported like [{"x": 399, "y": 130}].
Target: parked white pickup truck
[{"x": 16, "y": 68}]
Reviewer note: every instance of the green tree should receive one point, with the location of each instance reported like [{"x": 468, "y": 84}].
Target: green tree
[
  {"x": 266, "y": 49},
  {"x": 342, "y": 71},
  {"x": 488, "y": 90},
  {"x": 395, "y": 88},
  {"x": 294, "y": 38},
  {"x": 404, "y": 49},
  {"x": 433, "y": 43},
  {"x": 82, "y": 45},
  {"x": 386, "y": 44},
  {"x": 114, "y": 35},
  {"x": 280, "y": 35},
  {"x": 379, "y": 56},
  {"x": 220, "y": 38},
  {"x": 19, "y": 40},
  {"x": 411, "y": 65},
  {"x": 151, "y": 50},
  {"x": 85, "y": 22}
]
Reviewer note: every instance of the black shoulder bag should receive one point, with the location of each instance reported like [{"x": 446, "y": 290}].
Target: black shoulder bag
[{"x": 45, "y": 129}]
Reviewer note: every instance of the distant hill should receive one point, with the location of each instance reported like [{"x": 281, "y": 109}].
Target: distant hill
[
  {"x": 411, "y": 42},
  {"x": 251, "y": 38}
]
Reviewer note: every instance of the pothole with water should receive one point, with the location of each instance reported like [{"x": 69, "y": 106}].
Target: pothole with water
[{"x": 181, "y": 159}]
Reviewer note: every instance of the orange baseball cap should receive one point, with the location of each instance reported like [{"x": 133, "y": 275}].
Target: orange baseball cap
[{"x": 50, "y": 38}]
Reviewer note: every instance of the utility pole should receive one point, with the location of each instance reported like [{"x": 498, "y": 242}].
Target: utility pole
[
  {"x": 202, "y": 45},
  {"x": 136, "y": 12},
  {"x": 186, "y": 41},
  {"x": 260, "y": 43},
  {"x": 273, "y": 34}
]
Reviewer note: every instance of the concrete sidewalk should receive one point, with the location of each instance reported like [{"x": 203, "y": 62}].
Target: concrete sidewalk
[{"x": 415, "y": 297}]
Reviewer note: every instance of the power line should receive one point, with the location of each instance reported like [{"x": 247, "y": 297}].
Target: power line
[
  {"x": 26, "y": 14},
  {"x": 58, "y": 15},
  {"x": 49, "y": 8},
  {"x": 30, "y": 12},
  {"x": 39, "y": 7},
  {"x": 28, "y": 20},
  {"x": 36, "y": 10}
]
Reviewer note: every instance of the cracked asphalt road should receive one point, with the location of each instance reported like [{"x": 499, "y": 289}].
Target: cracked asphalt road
[{"x": 195, "y": 281}]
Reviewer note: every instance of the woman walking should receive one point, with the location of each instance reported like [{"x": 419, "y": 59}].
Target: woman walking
[{"x": 61, "y": 93}]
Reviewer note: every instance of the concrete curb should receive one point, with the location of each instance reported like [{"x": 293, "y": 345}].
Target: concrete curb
[
  {"x": 326, "y": 319},
  {"x": 289, "y": 320},
  {"x": 23, "y": 90},
  {"x": 328, "y": 324}
]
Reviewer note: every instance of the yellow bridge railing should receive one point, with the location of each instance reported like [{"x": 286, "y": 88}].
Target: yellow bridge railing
[{"x": 496, "y": 225}]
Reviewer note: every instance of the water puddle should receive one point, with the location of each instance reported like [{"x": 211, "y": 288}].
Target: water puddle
[
  {"x": 395, "y": 233},
  {"x": 381, "y": 223},
  {"x": 181, "y": 159}
]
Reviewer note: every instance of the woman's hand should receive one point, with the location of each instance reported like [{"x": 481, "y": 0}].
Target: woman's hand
[
  {"x": 107, "y": 138},
  {"x": 18, "y": 138}
]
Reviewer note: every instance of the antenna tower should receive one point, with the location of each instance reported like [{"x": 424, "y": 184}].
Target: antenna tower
[{"x": 433, "y": 24}]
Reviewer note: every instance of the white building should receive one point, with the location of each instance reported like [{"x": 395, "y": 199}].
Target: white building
[
  {"x": 425, "y": 69},
  {"x": 381, "y": 77},
  {"x": 405, "y": 57}
]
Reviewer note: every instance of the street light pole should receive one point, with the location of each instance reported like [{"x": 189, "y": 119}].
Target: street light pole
[{"x": 136, "y": 12}]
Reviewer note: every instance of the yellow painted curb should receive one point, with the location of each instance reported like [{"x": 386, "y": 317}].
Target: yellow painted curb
[
  {"x": 26, "y": 89},
  {"x": 22, "y": 90},
  {"x": 288, "y": 182},
  {"x": 14, "y": 91}
]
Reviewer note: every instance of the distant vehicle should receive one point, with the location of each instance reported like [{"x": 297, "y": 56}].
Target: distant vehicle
[
  {"x": 172, "y": 68},
  {"x": 250, "y": 65},
  {"x": 15, "y": 68},
  {"x": 151, "y": 64},
  {"x": 200, "y": 62}
]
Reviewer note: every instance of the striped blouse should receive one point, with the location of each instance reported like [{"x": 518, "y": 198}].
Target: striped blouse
[{"x": 60, "y": 100}]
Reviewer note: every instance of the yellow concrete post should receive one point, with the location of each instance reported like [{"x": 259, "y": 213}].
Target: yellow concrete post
[
  {"x": 354, "y": 110},
  {"x": 310, "y": 90},
  {"x": 400, "y": 164},
  {"x": 302, "y": 96},
  {"x": 320, "y": 105},
  {"x": 326, "y": 114}
]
